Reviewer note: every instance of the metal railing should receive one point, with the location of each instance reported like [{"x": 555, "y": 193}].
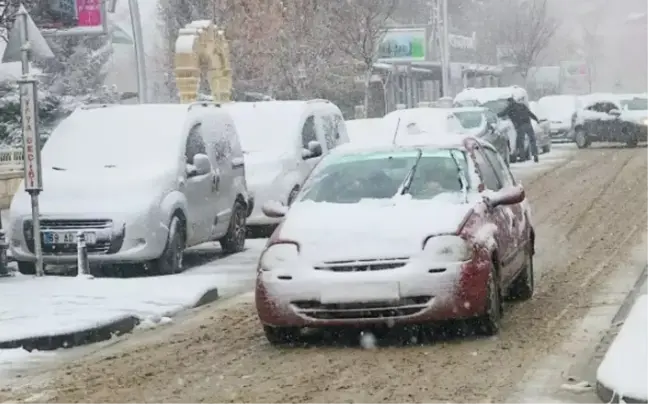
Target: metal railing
[{"x": 11, "y": 159}]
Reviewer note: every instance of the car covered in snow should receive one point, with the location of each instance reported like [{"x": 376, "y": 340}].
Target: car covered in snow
[
  {"x": 611, "y": 118},
  {"x": 484, "y": 124},
  {"x": 142, "y": 182},
  {"x": 494, "y": 98},
  {"x": 542, "y": 128},
  {"x": 561, "y": 111},
  {"x": 415, "y": 121},
  {"x": 282, "y": 141},
  {"x": 398, "y": 234},
  {"x": 364, "y": 130}
]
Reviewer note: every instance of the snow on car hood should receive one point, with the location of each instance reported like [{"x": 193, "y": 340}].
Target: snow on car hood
[
  {"x": 371, "y": 228},
  {"x": 106, "y": 190}
]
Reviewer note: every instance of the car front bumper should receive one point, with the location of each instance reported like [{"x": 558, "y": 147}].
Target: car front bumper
[
  {"x": 117, "y": 242},
  {"x": 425, "y": 294}
]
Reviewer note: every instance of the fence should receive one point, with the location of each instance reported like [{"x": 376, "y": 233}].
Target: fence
[{"x": 11, "y": 159}]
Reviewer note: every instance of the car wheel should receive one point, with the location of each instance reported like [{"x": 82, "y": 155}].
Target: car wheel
[
  {"x": 632, "y": 138},
  {"x": 546, "y": 148},
  {"x": 234, "y": 239},
  {"x": 523, "y": 286},
  {"x": 27, "y": 268},
  {"x": 281, "y": 335},
  {"x": 293, "y": 195},
  {"x": 582, "y": 138},
  {"x": 170, "y": 262},
  {"x": 489, "y": 322}
]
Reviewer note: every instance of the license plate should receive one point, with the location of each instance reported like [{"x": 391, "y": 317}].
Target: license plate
[
  {"x": 360, "y": 293},
  {"x": 67, "y": 237}
]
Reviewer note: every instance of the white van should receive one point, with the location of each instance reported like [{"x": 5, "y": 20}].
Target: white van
[
  {"x": 282, "y": 141},
  {"x": 143, "y": 182}
]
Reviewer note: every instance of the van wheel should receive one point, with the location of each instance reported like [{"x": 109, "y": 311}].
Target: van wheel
[
  {"x": 27, "y": 268},
  {"x": 489, "y": 323},
  {"x": 234, "y": 239},
  {"x": 170, "y": 262}
]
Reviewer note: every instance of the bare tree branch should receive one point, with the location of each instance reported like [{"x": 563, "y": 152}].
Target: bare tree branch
[{"x": 525, "y": 28}]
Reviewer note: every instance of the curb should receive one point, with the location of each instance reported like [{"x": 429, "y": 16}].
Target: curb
[
  {"x": 607, "y": 395},
  {"x": 97, "y": 333}
]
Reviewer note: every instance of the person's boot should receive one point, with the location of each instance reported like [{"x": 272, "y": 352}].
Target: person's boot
[{"x": 535, "y": 158}]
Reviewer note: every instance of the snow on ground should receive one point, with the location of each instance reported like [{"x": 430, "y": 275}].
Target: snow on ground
[
  {"x": 624, "y": 369},
  {"x": 559, "y": 153},
  {"x": 52, "y": 305}
]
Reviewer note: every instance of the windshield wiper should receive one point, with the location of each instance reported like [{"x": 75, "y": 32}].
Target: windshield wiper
[
  {"x": 407, "y": 183},
  {"x": 58, "y": 168},
  {"x": 463, "y": 182}
]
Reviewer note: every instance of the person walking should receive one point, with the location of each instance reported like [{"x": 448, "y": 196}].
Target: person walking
[{"x": 520, "y": 115}]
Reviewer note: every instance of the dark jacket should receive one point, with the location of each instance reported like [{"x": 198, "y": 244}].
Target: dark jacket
[{"x": 519, "y": 114}]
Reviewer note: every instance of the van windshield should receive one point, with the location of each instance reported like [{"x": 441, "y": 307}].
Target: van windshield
[{"x": 123, "y": 139}]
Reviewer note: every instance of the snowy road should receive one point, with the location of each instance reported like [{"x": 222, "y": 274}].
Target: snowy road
[{"x": 589, "y": 212}]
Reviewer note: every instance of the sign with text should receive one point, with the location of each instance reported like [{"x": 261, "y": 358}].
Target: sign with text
[
  {"x": 31, "y": 140},
  {"x": 407, "y": 44}
]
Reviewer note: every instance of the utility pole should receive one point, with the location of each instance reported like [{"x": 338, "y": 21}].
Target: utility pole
[
  {"x": 439, "y": 25},
  {"x": 445, "y": 69}
]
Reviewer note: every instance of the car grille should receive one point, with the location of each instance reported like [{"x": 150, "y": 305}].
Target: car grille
[
  {"x": 349, "y": 311},
  {"x": 101, "y": 247},
  {"x": 74, "y": 224},
  {"x": 363, "y": 265}
]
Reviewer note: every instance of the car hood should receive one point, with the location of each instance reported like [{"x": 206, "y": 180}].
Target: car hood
[
  {"x": 83, "y": 192},
  {"x": 370, "y": 228}
]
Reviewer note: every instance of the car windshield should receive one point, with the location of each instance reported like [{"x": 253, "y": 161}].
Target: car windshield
[
  {"x": 380, "y": 175},
  {"x": 496, "y": 106},
  {"x": 470, "y": 119},
  {"x": 635, "y": 104}
]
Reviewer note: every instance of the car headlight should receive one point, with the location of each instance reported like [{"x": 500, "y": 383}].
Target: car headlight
[
  {"x": 448, "y": 248},
  {"x": 644, "y": 121},
  {"x": 279, "y": 255}
]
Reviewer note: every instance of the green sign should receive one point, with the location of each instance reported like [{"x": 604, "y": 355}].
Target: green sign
[{"x": 407, "y": 44}]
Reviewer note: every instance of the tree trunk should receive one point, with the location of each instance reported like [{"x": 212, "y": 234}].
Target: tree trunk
[{"x": 367, "y": 89}]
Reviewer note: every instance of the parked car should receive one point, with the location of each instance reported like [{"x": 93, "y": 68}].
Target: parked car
[
  {"x": 542, "y": 128},
  {"x": 143, "y": 182},
  {"x": 603, "y": 119},
  {"x": 561, "y": 111},
  {"x": 416, "y": 121},
  {"x": 484, "y": 124},
  {"x": 398, "y": 234},
  {"x": 494, "y": 98},
  {"x": 282, "y": 141}
]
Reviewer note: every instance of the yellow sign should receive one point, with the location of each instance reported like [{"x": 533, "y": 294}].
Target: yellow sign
[{"x": 201, "y": 48}]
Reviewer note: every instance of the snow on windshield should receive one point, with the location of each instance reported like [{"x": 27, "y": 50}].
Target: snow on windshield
[
  {"x": 379, "y": 175},
  {"x": 274, "y": 125},
  {"x": 558, "y": 106},
  {"x": 635, "y": 104},
  {"x": 120, "y": 136},
  {"x": 470, "y": 119}
]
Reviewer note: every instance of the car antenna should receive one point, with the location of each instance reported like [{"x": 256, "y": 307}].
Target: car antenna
[{"x": 396, "y": 131}]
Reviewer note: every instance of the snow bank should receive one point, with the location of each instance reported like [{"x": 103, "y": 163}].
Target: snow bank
[{"x": 624, "y": 368}]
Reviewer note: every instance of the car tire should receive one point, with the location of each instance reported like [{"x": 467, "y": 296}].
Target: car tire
[
  {"x": 581, "y": 138},
  {"x": 293, "y": 194},
  {"x": 27, "y": 267},
  {"x": 281, "y": 335},
  {"x": 489, "y": 323},
  {"x": 632, "y": 141},
  {"x": 522, "y": 287},
  {"x": 170, "y": 262},
  {"x": 546, "y": 148},
  {"x": 234, "y": 239}
]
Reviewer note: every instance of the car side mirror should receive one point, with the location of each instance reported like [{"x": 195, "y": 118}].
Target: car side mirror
[
  {"x": 615, "y": 112},
  {"x": 274, "y": 209},
  {"x": 506, "y": 196},
  {"x": 314, "y": 150},
  {"x": 201, "y": 165}
]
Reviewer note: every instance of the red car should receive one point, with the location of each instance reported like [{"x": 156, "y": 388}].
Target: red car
[{"x": 398, "y": 234}]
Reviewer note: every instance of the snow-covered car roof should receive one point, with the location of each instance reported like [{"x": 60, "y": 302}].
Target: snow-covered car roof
[
  {"x": 447, "y": 141},
  {"x": 587, "y": 100},
  {"x": 486, "y": 94}
]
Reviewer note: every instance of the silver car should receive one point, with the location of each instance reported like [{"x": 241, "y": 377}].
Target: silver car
[
  {"x": 142, "y": 182},
  {"x": 483, "y": 123}
]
